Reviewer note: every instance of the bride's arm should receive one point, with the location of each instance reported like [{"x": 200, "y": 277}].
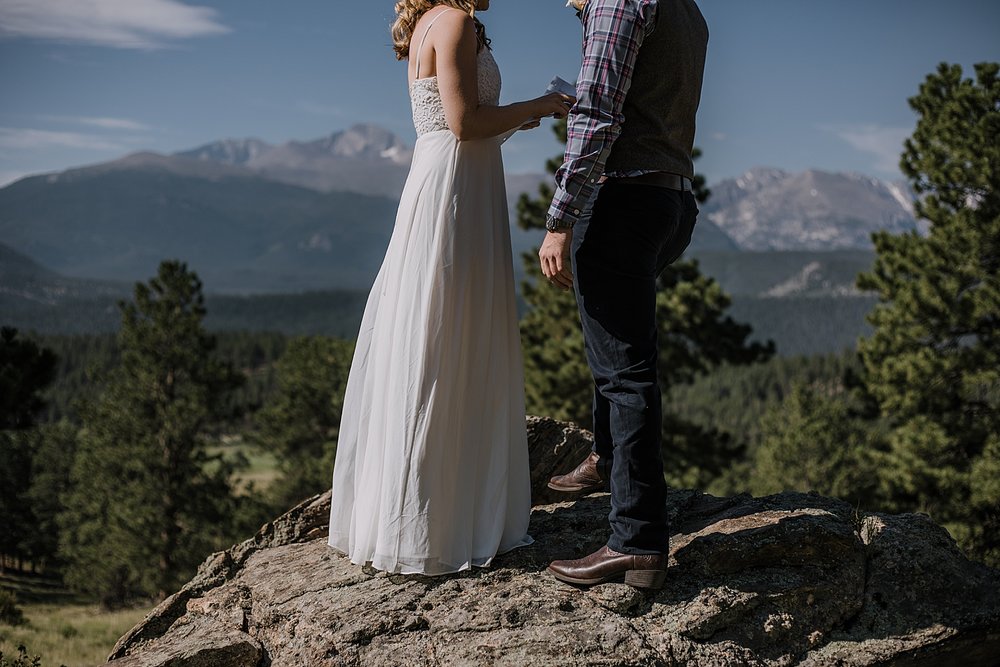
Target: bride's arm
[{"x": 455, "y": 48}]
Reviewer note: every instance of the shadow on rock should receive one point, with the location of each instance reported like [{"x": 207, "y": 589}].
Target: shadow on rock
[{"x": 789, "y": 579}]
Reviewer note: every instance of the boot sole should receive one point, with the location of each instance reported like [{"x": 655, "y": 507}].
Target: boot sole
[
  {"x": 653, "y": 579},
  {"x": 575, "y": 489}
]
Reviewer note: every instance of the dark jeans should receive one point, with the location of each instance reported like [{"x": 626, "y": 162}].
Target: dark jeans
[{"x": 620, "y": 245}]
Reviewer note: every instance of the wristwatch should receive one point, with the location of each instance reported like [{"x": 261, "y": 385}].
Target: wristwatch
[{"x": 555, "y": 225}]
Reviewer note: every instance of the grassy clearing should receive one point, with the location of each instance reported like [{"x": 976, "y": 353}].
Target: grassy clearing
[
  {"x": 263, "y": 467},
  {"x": 62, "y": 628},
  {"x": 75, "y": 635},
  {"x": 66, "y": 629}
]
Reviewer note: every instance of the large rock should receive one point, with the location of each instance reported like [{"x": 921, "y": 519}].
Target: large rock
[
  {"x": 790, "y": 579},
  {"x": 554, "y": 448}
]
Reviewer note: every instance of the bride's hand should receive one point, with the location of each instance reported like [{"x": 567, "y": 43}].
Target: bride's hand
[{"x": 556, "y": 105}]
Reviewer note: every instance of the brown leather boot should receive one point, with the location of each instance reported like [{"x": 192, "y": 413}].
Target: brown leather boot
[
  {"x": 640, "y": 571},
  {"x": 591, "y": 475}
]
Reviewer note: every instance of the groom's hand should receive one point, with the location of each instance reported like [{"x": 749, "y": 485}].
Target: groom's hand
[{"x": 554, "y": 258}]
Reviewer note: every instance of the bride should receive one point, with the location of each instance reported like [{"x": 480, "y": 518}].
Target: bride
[{"x": 431, "y": 471}]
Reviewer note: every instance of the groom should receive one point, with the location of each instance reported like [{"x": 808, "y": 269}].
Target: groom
[{"x": 624, "y": 208}]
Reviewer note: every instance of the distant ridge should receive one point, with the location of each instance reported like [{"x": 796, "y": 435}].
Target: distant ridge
[
  {"x": 772, "y": 209},
  {"x": 149, "y": 161},
  {"x": 242, "y": 232},
  {"x": 25, "y": 281},
  {"x": 252, "y": 217},
  {"x": 364, "y": 158},
  {"x": 35, "y": 298}
]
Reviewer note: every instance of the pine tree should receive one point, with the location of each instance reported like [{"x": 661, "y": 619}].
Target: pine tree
[
  {"x": 148, "y": 502},
  {"x": 16, "y": 518},
  {"x": 25, "y": 371},
  {"x": 933, "y": 361},
  {"x": 693, "y": 332},
  {"x": 50, "y": 476},
  {"x": 816, "y": 440},
  {"x": 301, "y": 423}
]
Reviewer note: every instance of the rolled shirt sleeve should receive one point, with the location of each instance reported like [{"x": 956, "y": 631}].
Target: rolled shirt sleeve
[{"x": 613, "y": 31}]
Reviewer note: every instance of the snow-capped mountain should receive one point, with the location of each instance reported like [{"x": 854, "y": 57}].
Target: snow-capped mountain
[
  {"x": 364, "y": 158},
  {"x": 229, "y": 151},
  {"x": 361, "y": 142},
  {"x": 772, "y": 209}
]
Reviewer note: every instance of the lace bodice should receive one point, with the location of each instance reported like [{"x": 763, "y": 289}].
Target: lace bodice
[{"x": 425, "y": 98}]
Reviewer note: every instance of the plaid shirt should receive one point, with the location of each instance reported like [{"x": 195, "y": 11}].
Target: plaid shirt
[{"x": 613, "y": 31}]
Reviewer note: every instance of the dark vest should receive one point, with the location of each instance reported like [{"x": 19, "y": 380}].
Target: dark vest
[{"x": 660, "y": 106}]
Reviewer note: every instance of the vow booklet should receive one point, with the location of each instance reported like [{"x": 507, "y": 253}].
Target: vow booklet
[{"x": 557, "y": 85}]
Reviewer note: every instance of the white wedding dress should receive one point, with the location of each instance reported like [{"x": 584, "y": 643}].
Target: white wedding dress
[{"x": 431, "y": 473}]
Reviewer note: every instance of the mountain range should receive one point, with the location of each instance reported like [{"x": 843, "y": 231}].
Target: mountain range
[
  {"x": 241, "y": 231},
  {"x": 364, "y": 158},
  {"x": 255, "y": 218},
  {"x": 762, "y": 209},
  {"x": 772, "y": 209}
]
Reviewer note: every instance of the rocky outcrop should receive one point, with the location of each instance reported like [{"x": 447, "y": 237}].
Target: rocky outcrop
[
  {"x": 555, "y": 448},
  {"x": 790, "y": 579}
]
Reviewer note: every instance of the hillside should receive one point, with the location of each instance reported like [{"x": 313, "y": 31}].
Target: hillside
[
  {"x": 806, "y": 302},
  {"x": 334, "y": 313},
  {"x": 25, "y": 281},
  {"x": 241, "y": 232},
  {"x": 798, "y": 273},
  {"x": 807, "y": 310}
]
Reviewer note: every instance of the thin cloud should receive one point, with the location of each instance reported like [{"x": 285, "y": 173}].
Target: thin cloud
[
  {"x": 885, "y": 143},
  {"x": 126, "y": 24},
  {"x": 113, "y": 123},
  {"x": 26, "y": 139},
  {"x": 104, "y": 123}
]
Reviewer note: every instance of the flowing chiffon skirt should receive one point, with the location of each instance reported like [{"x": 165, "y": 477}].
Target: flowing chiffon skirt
[{"x": 431, "y": 472}]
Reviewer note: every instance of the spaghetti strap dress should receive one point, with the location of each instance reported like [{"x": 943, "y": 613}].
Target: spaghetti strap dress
[{"x": 431, "y": 472}]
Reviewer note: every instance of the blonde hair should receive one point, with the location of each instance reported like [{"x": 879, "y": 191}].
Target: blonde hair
[{"x": 408, "y": 12}]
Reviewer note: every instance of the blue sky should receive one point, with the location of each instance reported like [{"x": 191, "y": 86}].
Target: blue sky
[{"x": 794, "y": 84}]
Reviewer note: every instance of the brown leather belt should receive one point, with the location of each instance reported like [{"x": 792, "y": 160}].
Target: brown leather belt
[{"x": 661, "y": 178}]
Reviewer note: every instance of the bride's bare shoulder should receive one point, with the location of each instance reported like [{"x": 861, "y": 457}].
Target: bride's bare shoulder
[{"x": 450, "y": 25}]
